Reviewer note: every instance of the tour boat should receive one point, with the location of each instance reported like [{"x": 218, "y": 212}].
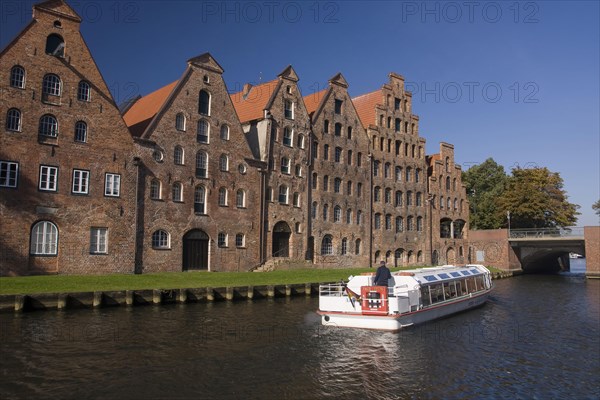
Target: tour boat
[{"x": 411, "y": 297}]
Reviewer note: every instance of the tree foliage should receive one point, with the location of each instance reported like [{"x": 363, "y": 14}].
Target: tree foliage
[
  {"x": 536, "y": 199},
  {"x": 596, "y": 207},
  {"x": 485, "y": 183}
]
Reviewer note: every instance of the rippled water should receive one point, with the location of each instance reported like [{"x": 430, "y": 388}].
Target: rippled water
[{"x": 538, "y": 337}]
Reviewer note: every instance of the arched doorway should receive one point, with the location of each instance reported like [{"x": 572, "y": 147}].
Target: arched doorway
[
  {"x": 281, "y": 239},
  {"x": 195, "y": 250},
  {"x": 450, "y": 256}
]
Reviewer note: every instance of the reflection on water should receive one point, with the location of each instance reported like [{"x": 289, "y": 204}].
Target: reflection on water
[{"x": 538, "y": 337}]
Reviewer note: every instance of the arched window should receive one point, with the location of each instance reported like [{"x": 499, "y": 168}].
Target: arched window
[
  {"x": 283, "y": 194},
  {"x": 349, "y": 216},
  {"x": 13, "y": 120},
  {"x": 48, "y": 126},
  {"x": 161, "y": 239},
  {"x": 325, "y": 212},
  {"x": 224, "y": 132},
  {"x": 203, "y": 131},
  {"x": 222, "y": 239},
  {"x": 419, "y": 199},
  {"x": 327, "y": 246},
  {"x": 397, "y": 125},
  {"x": 338, "y": 154},
  {"x": 388, "y": 222},
  {"x": 240, "y": 240},
  {"x": 285, "y": 165},
  {"x": 338, "y": 129},
  {"x": 376, "y": 168},
  {"x": 223, "y": 197},
  {"x": 51, "y": 85},
  {"x": 454, "y": 184},
  {"x": 357, "y": 247},
  {"x": 155, "y": 189},
  {"x": 204, "y": 103},
  {"x": 398, "y": 174},
  {"x": 409, "y": 223},
  {"x": 178, "y": 158},
  {"x": 399, "y": 224},
  {"x": 377, "y": 194},
  {"x": 447, "y": 183},
  {"x": 55, "y": 45},
  {"x": 287, "y": 136},
  {"x": 315, "y": 178},
  {"x": 349, "y": 132},
  {"x": 314, "y": 210},
  {"x": 388, "y": 196},
  {"x": 300, "y": 141},
  {"x": 224, "y": 163},
  {"x": 81, "y": 132},
  {"x": 359, "y": 217},
  {"x": 296, "y": 199},
  {"x": 326, "y": 126},
  {"x": 448, "y": 164},
  {"x": 419, "y": 224},
  {"x": 337, "y": 185},
  {"x": 44, "y": 239},
  {"x": 200, "y": 200},
  {"x": 408, "y": 174},
  {"x": 180, "y": 122},
  {"x": 325, "y": 183},
  {"x": 349, "y": 157},
  {"x": 177, "y": 192},
  {"x": 337, "y": 214},
  {"x": 240, "y": 198},
  {"x": 398, "y": 199},
  {"x": 409, "y": 198},
  {"x": 344, "y": 246},
  {"x": 387, "y": 170},
  {"x": 418, "y": 175},
  {"x": 349, "y": 188},
  {"x": 325, "y": 152},
  {"x": 17, "y": 77},
  {"x": 84, "y": 92},
  {"x": 298, "y": 170},
  {"x": 377, "y": 221},
  {"x": 201, "y": 164},
  {"x": 289, "y": 109}
]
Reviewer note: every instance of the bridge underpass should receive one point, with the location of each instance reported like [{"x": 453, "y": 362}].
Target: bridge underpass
[{"x": 546, "y": 250}]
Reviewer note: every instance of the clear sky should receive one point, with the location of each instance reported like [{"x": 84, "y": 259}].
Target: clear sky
[{"x": 515, "y": 81}]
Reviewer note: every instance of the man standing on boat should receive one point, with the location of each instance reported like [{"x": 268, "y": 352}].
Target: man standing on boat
[{"x": 383, "y": 275}]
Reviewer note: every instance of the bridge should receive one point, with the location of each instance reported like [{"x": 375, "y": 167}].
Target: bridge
[{"x": 547, "y": 248}]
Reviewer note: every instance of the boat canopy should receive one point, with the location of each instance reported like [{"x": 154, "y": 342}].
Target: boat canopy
[{"x": 445, "y": 273}]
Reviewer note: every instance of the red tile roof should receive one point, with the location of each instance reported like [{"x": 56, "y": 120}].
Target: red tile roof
[
  {"x": 365, "y": 107},
  {"x": 312, "y": 101},
  {"x": 140, "y": 114},
  {"x": 251, "y": 106}
]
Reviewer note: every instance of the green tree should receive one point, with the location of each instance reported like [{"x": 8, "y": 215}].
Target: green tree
[
  {"x": 596, "y": 207},
  {"x": 536, "y": 199},
  {"x": 485, "y": 183}
]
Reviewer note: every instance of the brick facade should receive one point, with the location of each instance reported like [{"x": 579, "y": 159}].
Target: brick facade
[
  {"x": 208, "y": 180},
  {"x": 68, "y": 137}
]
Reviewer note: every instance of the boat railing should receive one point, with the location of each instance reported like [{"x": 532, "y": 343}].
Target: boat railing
[{"x": 332, "y": 289}]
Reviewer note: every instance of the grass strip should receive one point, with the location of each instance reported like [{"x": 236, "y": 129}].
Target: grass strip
[{"x": 171, "y": 280}]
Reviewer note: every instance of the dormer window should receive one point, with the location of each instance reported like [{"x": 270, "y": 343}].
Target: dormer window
[
  {"x": 289, "y": 109},
  {"x": 55, "y": 45}
]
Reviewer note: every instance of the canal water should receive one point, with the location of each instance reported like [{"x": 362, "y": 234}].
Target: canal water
[{"x": 537, "y": 338}]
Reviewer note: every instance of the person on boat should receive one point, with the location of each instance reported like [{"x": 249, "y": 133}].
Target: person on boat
[{"x": 382, "y": 275}]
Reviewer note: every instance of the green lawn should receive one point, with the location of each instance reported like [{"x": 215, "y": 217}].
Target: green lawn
[{"x": 171, "y": 280}]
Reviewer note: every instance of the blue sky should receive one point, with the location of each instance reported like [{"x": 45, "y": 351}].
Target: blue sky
[{"x": 515, "y": 81}]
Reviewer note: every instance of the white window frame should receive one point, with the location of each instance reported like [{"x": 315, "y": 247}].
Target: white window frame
[
  {"x": 84, "y": 91},
  {"x": 112, "y": 184},
  {"x": 240, "y": 240},
  {"x": 240, "y": 198},
  {"x": 17, "y": 77},
  {"x": 222, "y": 239},
  {"x": 81, "y": 181},
  {"x": 9, "y": 174},
  {"x": 161, "y": 240},
  {"x": 14, "y": 120},
  {"x": 81, "y": 128},
  {"x": 44, "y": 239},
  {"x": 50, "y": 183},
  {"x": 223, "y": 197},
  {"x": 98, "y": 240}
]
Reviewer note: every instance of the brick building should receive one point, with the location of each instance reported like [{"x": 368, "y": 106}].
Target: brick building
[
  {"x": 190, "y": 177},
  {"x": 449, "y": 209},
  {"x": 199, "y": 186},
  {"x": 399, "y": 184},
  {"x": 66, "y": 203},
  {"x": 277, "y": 127},
  {"x": 339, "y": 194}
]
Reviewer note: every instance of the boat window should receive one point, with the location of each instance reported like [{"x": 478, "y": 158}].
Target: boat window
[
  {"x": 444, "y": 276},
  {"x": 430, "y": 278},
  {"x": 437, "y": 293},
  {"x": 461, "y": 289},
  {"x": 425, "y": 299},
  {"x": 479, "y": 281},
  {"x": 465, "y": 273},
  {"x": 450, "y": 290},
  {"x": 471, "y": 285},
  {"x": 455, "y": 274}
]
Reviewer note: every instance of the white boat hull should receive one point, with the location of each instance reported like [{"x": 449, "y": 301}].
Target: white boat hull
[{"x": 399, "y": 321}]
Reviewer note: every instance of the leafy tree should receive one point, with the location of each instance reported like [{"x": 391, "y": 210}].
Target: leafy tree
[
  {"x": 485, "y": 183},
  {"x": 536, "y": 199},
  {"x": 596, "y": 207}
]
